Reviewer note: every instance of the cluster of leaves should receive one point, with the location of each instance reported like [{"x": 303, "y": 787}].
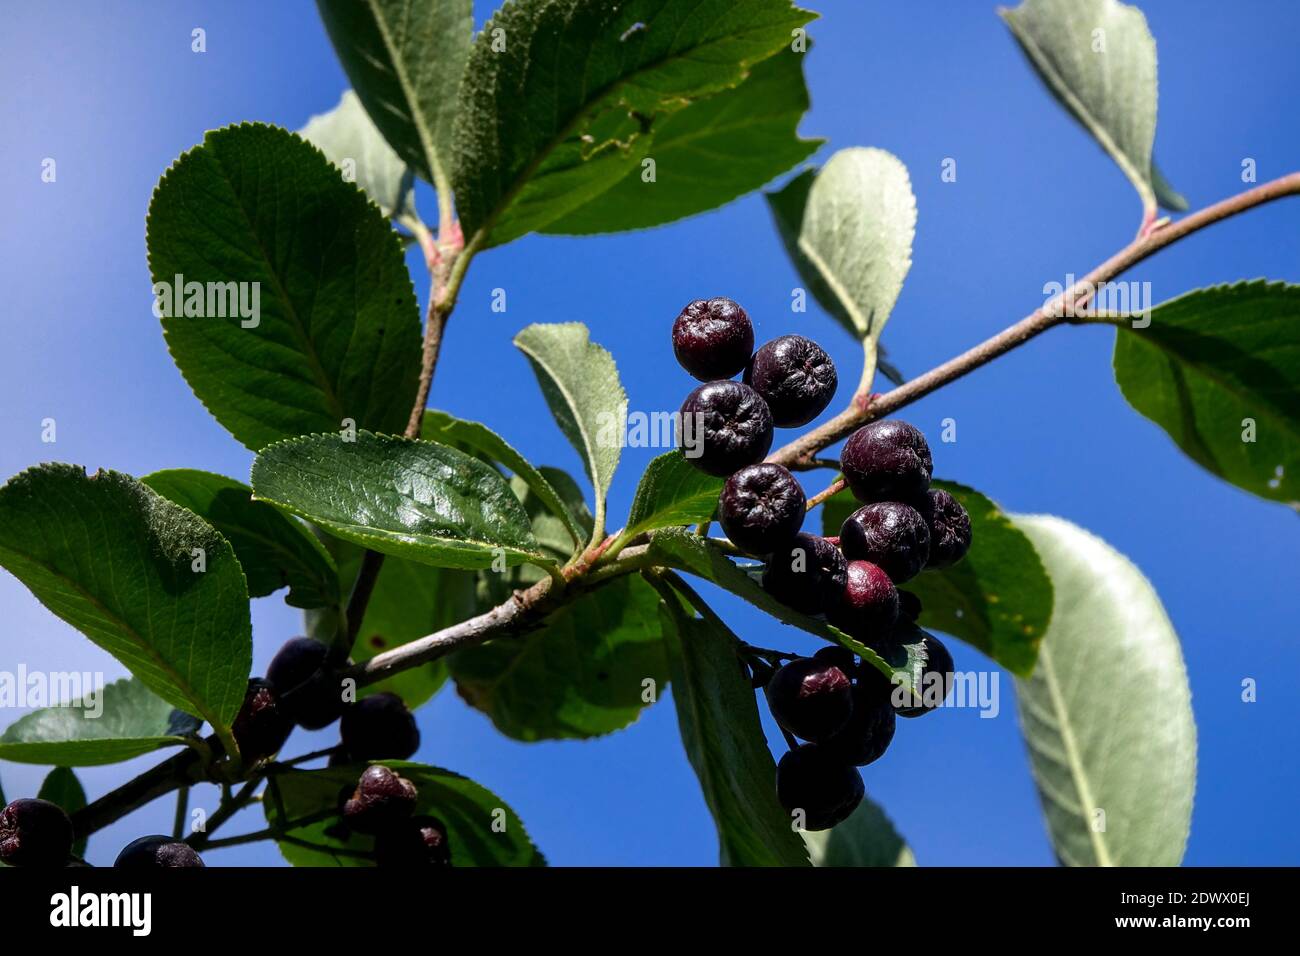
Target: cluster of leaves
[{"x": 160, "y": 571}]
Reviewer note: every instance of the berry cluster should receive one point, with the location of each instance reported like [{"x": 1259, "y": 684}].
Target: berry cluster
[
  {"x": 843, "y": 709},
  {"x": 382, "y": 805}
]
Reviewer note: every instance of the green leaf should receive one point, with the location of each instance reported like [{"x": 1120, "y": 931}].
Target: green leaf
[
  {"x": 1218, "y": 366},
  {"x": 117, "y": 561},
  {"x": 405, "y": 59},
  {"x": 582, "y": 675},
  {"x": 718, "y": 718},
  {"x": 536, "y": 140},
  {"x": 581, "y": 385},
  {"x": 123, "y": 720},
  {"x": 335, "y": 331},
  {"x": 713, "y": 151},
  {"x": 62, "y": 788},
  {"x": 997, "y": 599},
  {"x": 849, "y": 230},
  {"x": 469, "y": 811},
  {"x": 689, "y": 552},
  {"x": 273, "y": 549},
  {"x": 1107, "y": 714},
  {"x": 460, "y": 433},
  {"x": 866, "y": 838},
  {"x": 350, "y": 140},
  {"x": 414, "y": 499},
  {"x": 672, "y": 492},
  {"x": 1098, "y": 59}
]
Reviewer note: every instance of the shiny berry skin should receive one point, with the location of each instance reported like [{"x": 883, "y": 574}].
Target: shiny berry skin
[
  {"x": 796, "y": 378},
  {"x": 260, "y": 727},
  {"x": 307, "y": 686},
  {"x": 35, "y": 833},
  {"x": 936, "y": 680},
  {"x": 949, "y": 524},
  {"x": 379, "y": 727},
  {"x": 810, "y": 698},
  {"x": 761, "y": 508},
  {"x": 890, "y": 534},
  {"x": 380, "y": 801},
  {"x": 724, "y": 426},
  {"x": 808, "y": 575},
  {"x": 868, "y": 604},
  {"x": 418, "y": 842},
  {"x": 887, "y": 461},
  {"x": 866, "y": 737},
  {"x": 818, "y": 783},
  {"x": 712, "y": 338},
  {"x": 157, "y": 852}
]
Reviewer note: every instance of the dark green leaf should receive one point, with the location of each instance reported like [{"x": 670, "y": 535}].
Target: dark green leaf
[
  {"x": 122, "y": 721},
  {"x": 672, "y": 492},
  {"x": 583, "y": 674},
  {"x": 562, "y": 98},
  {"x": 709, "y": 153},
  {"x": 274, "y": 550},
  {"x": 460, "y": 433},
  {"x": 414, "y": 499},
  {"x": 117, "y": 561},
  {"x": 718, "y": 718},
  {"x": 481, "y": 829},
  {"x": 337, "y": 332},
  {"x": 405, "y": 59},
  {"x": 1219, "y": 370},
  {"x": 997, "y": 599},
  {"x": 62, "y": 788},
  {"x": 866, "y": 838}
]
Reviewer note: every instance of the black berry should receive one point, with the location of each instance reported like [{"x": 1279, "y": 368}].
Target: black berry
[
  {"x": 936, "y": 680},
  {"x": 761, "y": 508},
  {"x": 909, "y": 606},
  {"x": 380, "y": 727},
  {"x": 808, "y": 575},
  {"x": 420, "y": 841},
  {"x": 890, "y": 534},
  {"x": 157, "y": 853},
  {"x": 868, "y": 604},
  {"x": 260, "y": 727},
  {"x": 35, "y": 833},
  {"x": 841, "y": 657},
  {"x": 796, "y": 378},
  {"x": 818, "y": 783},
  {"x": 724, "y": 426},
  {"x": 380, "y": 801},
  {"x": 712, "y": 338},
  {"x": 866, "y": 736},
  {"x": 307, "y": 686},
  {"x": 949, "y": 524},
  {"x": 811, "y": 698},
  {"x": 887, "y": 461}
]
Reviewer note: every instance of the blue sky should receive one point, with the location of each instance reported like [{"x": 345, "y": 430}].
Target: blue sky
[{"x": 113, "y": 93}]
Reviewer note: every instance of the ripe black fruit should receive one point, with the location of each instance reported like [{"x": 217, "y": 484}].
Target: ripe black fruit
[
  {"x": 887, "y": 461},
  {"x": 712, "y": 338},
  {"x": 820, "y": 784},
  {"x": 379, "y": 727},
  {"x": 811, "y": 698},
  {"x": 866, "y": 736},
  {"x": 909, "y": 606},
  {"x": 420, "y": 841},
  {"x": 796, "y": 378},
  {"x": 890, "y": 534},
  {"x": 808, "y": 575},
  {"x": 381, "y": 800},
  {"x": 841, "y": 657},
  {"x": 761, "y": 508},
  {"x": 157, "y": 853},
  {"x": 260, "y": 727},
  {"x": 949, "y": 524},
  {"x": 307, "y": 686},
  {"x": 724, "y": 426},
  {"x": 35, "y": 833},
  {"x": 936, "y": 680},
  {"x": 868, "y": 604}
]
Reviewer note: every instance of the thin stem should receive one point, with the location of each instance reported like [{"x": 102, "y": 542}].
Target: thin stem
[
  {"x": 182, "y": 810},
  {"x": 835, "y": 488},
  {"x": 229, "y": 807},
  {"x": 303, "y": 758},
  {"x": 176, "y": 771}
]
